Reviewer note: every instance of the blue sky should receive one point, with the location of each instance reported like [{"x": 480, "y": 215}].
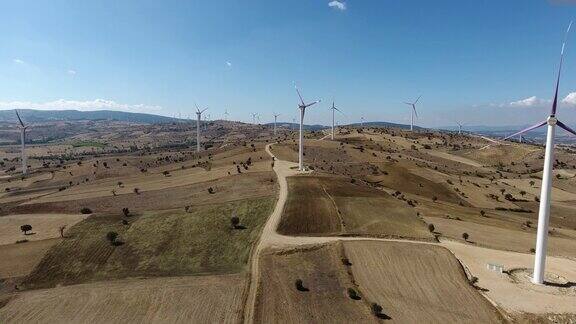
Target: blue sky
[{"x": 469, "y": 59}]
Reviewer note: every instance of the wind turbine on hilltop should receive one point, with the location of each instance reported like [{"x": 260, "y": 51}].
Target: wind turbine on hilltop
[
  {"x": 22, "y": 143},
  {"x": 413, "y": 112},
  {"x": 302, "y": 106},
  {"x": 254, "y": 115},
  {"x": 198, "y": 120},
  {"x": 226, "y": 115},
  {"x": 544, "y": 210},
  {"x": 460, "y": 126},
  {"x": 275, "y": 119},
  {"x": 333, "y": 108}
]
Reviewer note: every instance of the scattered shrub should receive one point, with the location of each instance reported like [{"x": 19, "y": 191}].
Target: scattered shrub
[{"x": 86, "y": 210}]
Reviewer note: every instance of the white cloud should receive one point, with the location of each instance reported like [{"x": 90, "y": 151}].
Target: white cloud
[
  {"x": 72, "y": 72},
  {"x": 228, "y": 64},
  {"x": 63, "y": 104},
  {"x": 18, "y": 61},
  {"x": 340, "y": 5},
  {"x": 528, "y": 102},
  {"x": 570, "y": 99}
]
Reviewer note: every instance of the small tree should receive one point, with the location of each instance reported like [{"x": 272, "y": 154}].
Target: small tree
[
  {"x": 85, "y": 210},
  {"x": 26, "y": 228},
  {"x": 126, "y": 211},
  {"x": 434, "y": 198},
  {"x": 300, "y": 285},
  {"x": 112, "y": 236},
  {"x": 482, "y": 213},
  {"x": 353, "y": 294},
  {"x": 431, "y": 228},
  {"x": 465, "y": 236},
  {"x": 376, "y": 309},
  {"x": 61, "y": 229},
  {"x": 532, "y": 183},
  {"x": 137, "y": 191},
  {"x": 235, "y": 221},
  {"x": 522, "y": 193}
]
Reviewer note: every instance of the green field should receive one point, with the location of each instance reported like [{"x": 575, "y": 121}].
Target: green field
[{"x": 160, "y": 243}]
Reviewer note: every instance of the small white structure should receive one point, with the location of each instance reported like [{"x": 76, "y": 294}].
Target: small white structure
[{"x": 495, "y": 267}]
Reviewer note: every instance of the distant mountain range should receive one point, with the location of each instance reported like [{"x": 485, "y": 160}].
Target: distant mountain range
[{"x": 37, "y": 116}]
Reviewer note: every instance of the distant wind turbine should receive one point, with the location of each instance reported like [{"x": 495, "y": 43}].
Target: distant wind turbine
[
  {"x": 544, "y": 210},
  {"x": 302, "y": 106},
  {"x": 198, "y": 120},
  {"x": 254, "y": 115},
  {"x": 333, "y": 108},
  {"x": 22, "y": 143},
  {"x": 460, "y": 126},
  {"x": 362, "y": 122},
  {"x": 275, "y": 119},
  {"x": 226, "y": 115},
  {"x": 413, "y": 112}
]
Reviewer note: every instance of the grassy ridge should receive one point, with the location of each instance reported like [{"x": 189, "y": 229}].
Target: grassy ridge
[{"x": 160, "y": 243}]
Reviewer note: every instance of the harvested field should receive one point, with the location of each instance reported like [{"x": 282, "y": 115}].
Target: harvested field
[
  {"x": 195, "y": 299},
  {"x": 166, "y": 243},
  {"x": 417, "y": 283},
  {"x": 20, "y": 259},
  {"x": 44, "y": 226},
  {"x": 326, "y": 279},
  {"x": 334, "y": 206},
  {"x": 242, "y": 186}
]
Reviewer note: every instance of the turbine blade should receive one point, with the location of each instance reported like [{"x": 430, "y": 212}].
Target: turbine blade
[
  {"x": 408, "y": 103},
  {"x": 540, "y": 124},
  {"x": 555, "y": 102},
  {"x": 312, "y": 103},
  {"x": 566, "y": 128},
  {"x": 203, "y": 110},
  {"x": 415, "y": 102},
  {"x": 415, "y": 112},
  {"x": 299, "y": 95},
  {"x": 19, "y": 119}
]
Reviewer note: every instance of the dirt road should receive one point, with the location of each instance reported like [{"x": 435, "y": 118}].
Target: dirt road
[{"x": 506, "y": 298}]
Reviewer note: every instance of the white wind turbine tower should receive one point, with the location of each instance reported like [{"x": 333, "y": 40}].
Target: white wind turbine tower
[
  {"x": 22, "y": 143},
  {"x": 275, "y": 119},
  {"x": 198, "y": 120},
  {"x": 302, "y": 106},
  {"x": 362, "y": 122},
  {"x": 254, "y": 115},
  {"x": 333, "y": 108},
  {"x": 413, "y": 112},
  {"x": 226, "y": 115},
  {"x": 544, "y": 210},
  {"x": 460, "y": 126}
]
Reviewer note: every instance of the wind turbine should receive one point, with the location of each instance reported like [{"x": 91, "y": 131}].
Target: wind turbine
[
  {"x": 460, "y": 126},
  {"x": 275, "y": 119},
  {"x": 302, "y": 106},
  {"x": 362, "y": 122},
  {"x": 333, "y": 108},
  {"x": 413, "y": 112},
  {"x": 198, "y": 120},
  {"x": 22, "y": 143},
  {"x": 254, "y": 115},
  {"x": 544, "y": 210},
  {"x": 226, "y": 115}
]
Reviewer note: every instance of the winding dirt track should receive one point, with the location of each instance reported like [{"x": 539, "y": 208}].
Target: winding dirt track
[{"x": 271, "y": 239}]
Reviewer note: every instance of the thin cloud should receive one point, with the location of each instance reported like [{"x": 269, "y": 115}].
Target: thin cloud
[
  {"x": 339, "y": 5},
  {"x": 63, "y": 104},
  {"x": 18, "y": 61},
  {"x": 228, "y": 64},
  {"x": 71, "y": 72},
  {"x": 528, "y": 102},
  {"x": 570, "y": 99}
]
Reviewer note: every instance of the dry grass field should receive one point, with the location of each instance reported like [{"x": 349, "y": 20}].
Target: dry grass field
[
  {"x": 417, "y": 283},
  {"x": 193, "y": 299},
  {"x": 322, "y": 273},
  {"x": 334, "y": 206},
  {"x": 19, "y": 260},
  {"x": 44, "y": 226}
]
